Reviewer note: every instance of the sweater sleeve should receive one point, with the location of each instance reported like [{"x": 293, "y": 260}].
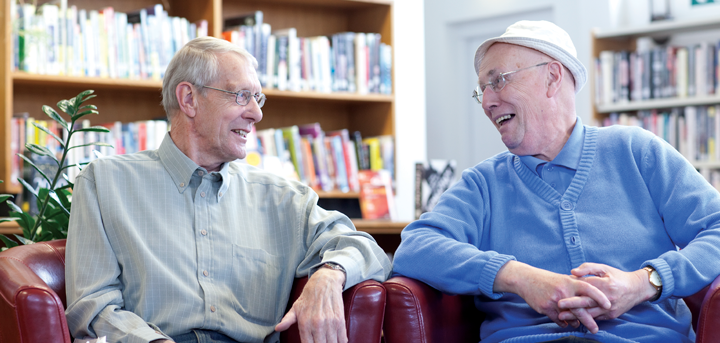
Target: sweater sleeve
[
  {"x": 441, "y": 248},
  {"x": 690, "y": 209}
]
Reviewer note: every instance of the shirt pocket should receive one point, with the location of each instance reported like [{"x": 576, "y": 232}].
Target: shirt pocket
[{"x": 257, "y": 278}]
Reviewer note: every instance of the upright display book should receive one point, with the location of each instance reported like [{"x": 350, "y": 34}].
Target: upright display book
[
  {"x": 431, "y": 181},
  {"x": 377, "y": 200}
]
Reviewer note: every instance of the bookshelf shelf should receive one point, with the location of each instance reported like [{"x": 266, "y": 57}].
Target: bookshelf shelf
[
  {"x": 379, "y": 226},
  {"x": 660, "y": 29},
  {"x": 658, "y": 103},
  {"x": 336, "y": 194}
]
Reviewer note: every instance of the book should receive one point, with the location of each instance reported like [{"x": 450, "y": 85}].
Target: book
[
  {"x": 291, "y": 138},
  {"x": 350, "y": 159},
  {"x": 377, "y": 200},
  {"x": 319, "y": 154}
]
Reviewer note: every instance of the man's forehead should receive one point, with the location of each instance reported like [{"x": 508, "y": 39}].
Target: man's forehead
[{"x": 502, "y": 57}]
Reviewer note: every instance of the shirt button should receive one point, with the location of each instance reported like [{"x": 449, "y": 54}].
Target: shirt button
[
  {"x": 566, "y": 205},
  {"x": 200, "y": 172},
  {"x": 204, "y": 232},
  {"x": 202, "y": 194},
  {"x": 553, "y": 184},
  {"x": 220, "y": 194},
  {"x": 205, "y": 272},
  {"x": 182, "y": 184},
  {"x": 212, "y": 308}
]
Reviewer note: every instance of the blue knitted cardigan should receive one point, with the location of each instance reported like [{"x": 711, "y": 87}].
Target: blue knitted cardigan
[{"x": 634, "y": 201}]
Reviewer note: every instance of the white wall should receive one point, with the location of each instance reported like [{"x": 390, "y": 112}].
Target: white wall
[
  {"x": 409, "y": 68},
  {"x": 448, "y": 114}
]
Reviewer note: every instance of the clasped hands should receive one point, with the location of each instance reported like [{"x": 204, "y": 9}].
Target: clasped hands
[{"x": 591, "y": 293}]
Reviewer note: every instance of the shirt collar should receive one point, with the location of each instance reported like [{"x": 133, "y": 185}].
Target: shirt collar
[
  {"x": 568, "y": 157},
  {"x": 181, "y": 168}
]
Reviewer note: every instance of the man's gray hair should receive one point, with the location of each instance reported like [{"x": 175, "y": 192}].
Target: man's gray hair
[{"x": 197, "y": 63}]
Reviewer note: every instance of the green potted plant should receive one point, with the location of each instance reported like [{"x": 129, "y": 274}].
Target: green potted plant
[{"x": 54, "y": 202}]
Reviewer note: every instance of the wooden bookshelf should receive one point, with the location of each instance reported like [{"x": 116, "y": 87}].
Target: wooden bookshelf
[
  {"x": 134, "y": 100},
  {"x": 625, "y": 39}
]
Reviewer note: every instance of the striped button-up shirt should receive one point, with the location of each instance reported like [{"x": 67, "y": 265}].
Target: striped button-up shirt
[{"x": 158, "y": 246}]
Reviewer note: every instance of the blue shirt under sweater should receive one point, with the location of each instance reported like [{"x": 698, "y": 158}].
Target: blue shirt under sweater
[{"x": 633, "y": 201}]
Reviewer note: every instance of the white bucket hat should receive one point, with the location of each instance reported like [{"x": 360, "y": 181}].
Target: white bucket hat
[{"x": 542, "y": 36}]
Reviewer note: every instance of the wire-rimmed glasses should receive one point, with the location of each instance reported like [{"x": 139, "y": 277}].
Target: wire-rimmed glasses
[
  {"x": 242, "y": 97},
  {"x": 498, "y": 83}
]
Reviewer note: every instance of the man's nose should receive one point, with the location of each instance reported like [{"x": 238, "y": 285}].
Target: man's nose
[
  {"x": 490, "y": 99},
  {"x": 253, "y": 111}
]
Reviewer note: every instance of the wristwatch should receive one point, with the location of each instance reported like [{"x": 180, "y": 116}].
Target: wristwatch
[
  {"x": 335, "y": 266},
  {"x": 655, "y": 281}
]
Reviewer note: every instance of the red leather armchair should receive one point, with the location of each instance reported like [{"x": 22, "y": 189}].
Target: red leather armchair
[
  {"x": 418, "y": 313},
  {"x": 32, "y": 299}
]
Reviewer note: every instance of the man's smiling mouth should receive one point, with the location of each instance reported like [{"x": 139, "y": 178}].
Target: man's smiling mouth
[
  {"x": 504, "y": 118},
  {"x": 242, "y": 133}
]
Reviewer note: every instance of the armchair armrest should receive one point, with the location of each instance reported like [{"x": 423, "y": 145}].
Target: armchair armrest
[
  {"x": 364, "y": 310},
  {"x": 30, "y": 310},
  {"x": 417, "y": 312},
  {"x": 705, "y": 306}
]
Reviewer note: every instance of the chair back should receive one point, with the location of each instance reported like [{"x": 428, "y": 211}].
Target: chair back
[{"x": 32, "y": 294}]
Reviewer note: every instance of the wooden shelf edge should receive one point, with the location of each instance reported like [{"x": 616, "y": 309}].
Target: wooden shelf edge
[
  {"x": 9, "y": 228},
  {"x": 659, "y": 103},
  {"x": 336, "y": 96},
  {"x": 23, "y": 78},
  {"x": 379, "y": 226},
  {"x": 706, "y": 164},
  {"x": 661, "y": 28}
]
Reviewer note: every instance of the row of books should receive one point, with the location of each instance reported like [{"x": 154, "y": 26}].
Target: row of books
[
  {"x": 60, "y": 40},
  {"x": 345, "y": 62},
  {"x": 693, "y": 130},
  {"x": 660, "y": 72},
  {"x": 125, "y": 138},
  {"x": 323, "y": 160}
]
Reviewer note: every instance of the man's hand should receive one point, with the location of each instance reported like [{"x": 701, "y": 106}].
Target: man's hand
[
  {"x": 319, "y": 310},
  {"x": 543, "y": 290},
  {"x": 623, "y": 289}
]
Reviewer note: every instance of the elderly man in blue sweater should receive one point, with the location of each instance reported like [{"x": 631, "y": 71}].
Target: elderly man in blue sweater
[{"x": 577, "y": 233}]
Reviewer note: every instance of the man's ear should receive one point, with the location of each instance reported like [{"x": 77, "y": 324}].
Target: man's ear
[
  {"x": 187, "y": 98},
  {"x": 554, "y": 78}
]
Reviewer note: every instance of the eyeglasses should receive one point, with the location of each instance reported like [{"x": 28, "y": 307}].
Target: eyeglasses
[
  {"x": 242, "y": 97},
  {"x": 498, "y": 83}
]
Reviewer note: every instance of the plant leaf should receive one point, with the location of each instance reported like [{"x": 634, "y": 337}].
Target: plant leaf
[
  {"x": 58, "y": 203},
  {"x": 36, "y": 168},
  {"x": 63, "y": 194},
  {"x": 93, "y": 129},
  {"x": 55, "y": 116},
  {"x": 13, "y": 207},
  {"x": 7, "y": 219},
  {"x": 4, "y": 197},
  {"x": 27, "y": 186},
  {"x": 40, "y": 150},
  {"x": 63, "y": 105},
  {"x": 24, "y": 240},
  {"x": 43, "y": 128},
  {"x": 92, "y": 107},
  {"x": 84, "y": 113},
  {"x": 88, "y": 144},
  {"x": 9, "y": 243},
  {"x": 25, "y": 221},
  {"x": 88, "y": 97}
]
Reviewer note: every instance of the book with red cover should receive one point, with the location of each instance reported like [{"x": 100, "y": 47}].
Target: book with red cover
[{"x": 377, "y": 200}]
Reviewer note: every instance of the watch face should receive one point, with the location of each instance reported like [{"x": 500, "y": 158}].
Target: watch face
[{"x": 655, "y": 278}]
